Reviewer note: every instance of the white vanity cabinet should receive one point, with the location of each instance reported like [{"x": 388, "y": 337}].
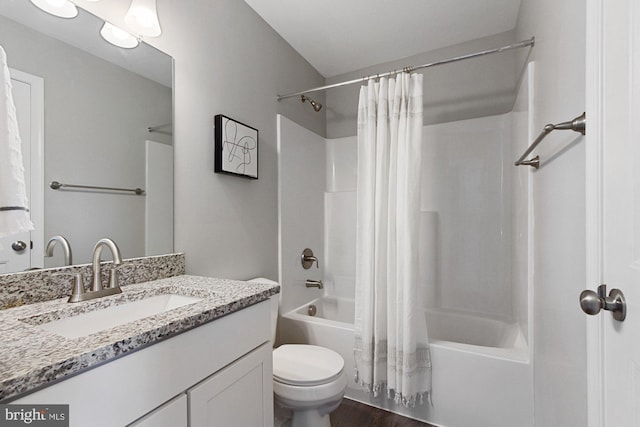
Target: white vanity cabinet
[
  {"x": 235, "y": 396},
  {"x": 171, "y": 414},
  {"x": 222, "y": 370}
]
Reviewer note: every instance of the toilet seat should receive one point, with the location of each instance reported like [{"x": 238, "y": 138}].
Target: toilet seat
[{"x": 304, "y": 365}]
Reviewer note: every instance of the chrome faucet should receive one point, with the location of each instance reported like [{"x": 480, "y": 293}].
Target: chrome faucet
[
  {"x": 97, "y": 290},
  {"x": 314, "y": 284},
  {"x": 96, "y": 285},
  {"x": 66, "y": 248}
]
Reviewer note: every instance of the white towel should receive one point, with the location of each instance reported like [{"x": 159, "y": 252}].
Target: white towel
[{"x": 14, "y": 208}]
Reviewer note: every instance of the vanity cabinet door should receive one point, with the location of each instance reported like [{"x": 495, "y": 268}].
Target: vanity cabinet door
[
  {"x": 171, "y": 414},
  {"x": 240, "y": 395}
]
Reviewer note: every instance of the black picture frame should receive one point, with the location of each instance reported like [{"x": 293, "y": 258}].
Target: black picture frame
[{"x": 236, "y": 148}]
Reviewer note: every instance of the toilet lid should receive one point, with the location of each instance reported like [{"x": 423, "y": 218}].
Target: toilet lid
[{"x": 306, "y": 365}]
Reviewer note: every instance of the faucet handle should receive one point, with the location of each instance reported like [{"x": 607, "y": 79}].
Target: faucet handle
[
  {"x": 308, "y": 259},
  {"x": 78, "y": 288}
]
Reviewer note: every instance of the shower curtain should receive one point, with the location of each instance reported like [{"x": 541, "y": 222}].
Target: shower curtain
[{"x": 391, "y": 347}]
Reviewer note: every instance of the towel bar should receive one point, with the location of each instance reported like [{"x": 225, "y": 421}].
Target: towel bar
[
  {"x": 57, "y": 185},
  {"x": 579, "y": 124}
]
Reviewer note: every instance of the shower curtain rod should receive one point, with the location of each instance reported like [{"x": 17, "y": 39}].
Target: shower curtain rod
[{"x": 518, "y": 45}]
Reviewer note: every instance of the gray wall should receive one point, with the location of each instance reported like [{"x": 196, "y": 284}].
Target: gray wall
[
  {"x": 96, "y": 116},
  {"x": 229, "y": 61},
  {"x": 473, "y": 88},
  {"x": 559, "y": 191}
]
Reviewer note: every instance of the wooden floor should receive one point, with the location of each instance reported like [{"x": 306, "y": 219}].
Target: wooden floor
[{"x": 354, "y": 414}]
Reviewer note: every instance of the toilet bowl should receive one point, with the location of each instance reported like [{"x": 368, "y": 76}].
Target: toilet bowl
[{"x": 308, "y": 380}]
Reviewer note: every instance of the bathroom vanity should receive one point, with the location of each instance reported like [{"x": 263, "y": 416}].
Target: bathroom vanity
[{"x": 208, "y": 358}]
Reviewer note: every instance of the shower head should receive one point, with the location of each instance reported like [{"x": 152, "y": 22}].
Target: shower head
[{"x": 316, "y": 105}]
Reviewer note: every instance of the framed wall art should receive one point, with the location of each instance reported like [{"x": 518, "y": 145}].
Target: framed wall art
[{"x": 236, "y": 148}]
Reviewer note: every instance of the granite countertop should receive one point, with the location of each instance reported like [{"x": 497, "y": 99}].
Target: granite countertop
[{"x": 31, "y": 357}]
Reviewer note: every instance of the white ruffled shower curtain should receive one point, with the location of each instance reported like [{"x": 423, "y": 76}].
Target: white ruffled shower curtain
[{"x": 391, "y": 345}]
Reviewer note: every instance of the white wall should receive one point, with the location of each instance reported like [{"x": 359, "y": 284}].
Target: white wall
[
  {"x": 229, "y": 61},
  {"x": 559, "y": 191},
  {"x": 96, "y": 118}
]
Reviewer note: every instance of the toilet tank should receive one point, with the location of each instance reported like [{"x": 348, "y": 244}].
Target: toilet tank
[{"x": 275, "y": 301}]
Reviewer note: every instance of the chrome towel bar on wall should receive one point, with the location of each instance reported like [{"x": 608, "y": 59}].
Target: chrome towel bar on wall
[
  {"x": 579, "y": 124},
  {"x": 55, "y": 185}
]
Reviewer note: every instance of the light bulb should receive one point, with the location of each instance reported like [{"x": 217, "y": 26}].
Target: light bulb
[
  {"x": 60, "y": 8},
  {"x": 118, "y": 37},
  {"x": 142, "y": 18}
]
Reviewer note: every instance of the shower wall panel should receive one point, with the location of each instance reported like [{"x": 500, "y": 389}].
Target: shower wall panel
[
  {"x": 340, "y": 216},
  {"x": 522, "y": 208},
  {"x": 466, "y": 214},
  {"x": 301, "y": 182},
  {"x": 464, "y": 169}
]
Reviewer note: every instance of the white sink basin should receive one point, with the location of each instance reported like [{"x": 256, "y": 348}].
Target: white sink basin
[{"x": 106, "y": 318}]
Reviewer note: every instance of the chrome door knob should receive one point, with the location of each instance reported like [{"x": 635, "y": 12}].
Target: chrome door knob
[
  {"x": 19, "y": 246},
  {"x": 592, "y": 302}
]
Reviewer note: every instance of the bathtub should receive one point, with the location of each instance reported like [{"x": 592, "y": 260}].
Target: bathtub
[{"x": 482, "y": 375}]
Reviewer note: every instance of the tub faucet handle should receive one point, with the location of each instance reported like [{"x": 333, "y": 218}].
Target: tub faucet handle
[{"x": 307, "y": 259}]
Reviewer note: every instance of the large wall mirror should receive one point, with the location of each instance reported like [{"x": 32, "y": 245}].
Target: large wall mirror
[{"x": 99, "y": 102}]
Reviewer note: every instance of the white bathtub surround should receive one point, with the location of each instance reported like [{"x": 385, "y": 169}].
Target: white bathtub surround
[
  {"x": 301, "y": 183},
  {"x": 391, "y": 347},
  {"x": 475, "y": 260},
  {"x": 14, "y": 209},
  {"x": 482, "y": 374}
]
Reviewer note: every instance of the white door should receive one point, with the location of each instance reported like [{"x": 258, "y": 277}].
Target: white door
[
  {"x": 613, "y": 208},
  {"x": 28, "y": 96},
  {"x": 158, "y": 219}
]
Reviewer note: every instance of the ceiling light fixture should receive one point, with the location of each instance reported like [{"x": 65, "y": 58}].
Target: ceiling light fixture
[
  {"x": 59, "y": 8},
  {"x": 142, "y": 18},
  {"x": 118, "y": 37}
]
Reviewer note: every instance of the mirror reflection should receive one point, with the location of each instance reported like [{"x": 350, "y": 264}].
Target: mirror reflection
[{"x": 84, "y": 109}]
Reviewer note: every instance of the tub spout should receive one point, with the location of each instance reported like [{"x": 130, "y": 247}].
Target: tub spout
[{"x": 314, "y": 284}]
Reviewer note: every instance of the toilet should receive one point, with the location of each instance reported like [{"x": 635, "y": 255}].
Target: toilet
[{"x": 308, "y": 380}]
